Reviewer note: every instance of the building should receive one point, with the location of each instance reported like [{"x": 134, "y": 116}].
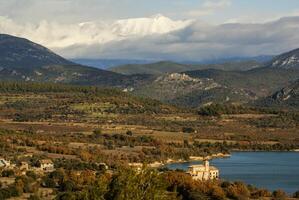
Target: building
[
  {"x": 46, "y": 165},
  {"x": 203, "y": 172},
  {"x": 4, "y": 163}
]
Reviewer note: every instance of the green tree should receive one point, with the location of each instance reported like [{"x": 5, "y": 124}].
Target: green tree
[{"x": 142, "y": 185}]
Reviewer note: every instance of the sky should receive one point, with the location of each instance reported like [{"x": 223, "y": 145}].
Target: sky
[
  {"x": 255, "y": 27},
  {"x": 215, "y": 11}
]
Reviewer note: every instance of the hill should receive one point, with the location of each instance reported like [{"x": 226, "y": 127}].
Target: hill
[
  {"x": 183, "y": 90},
  {"x": 289, "y": 60},
  {"x": 163, "y": 67},
  {"x": 23, "y": 60},
  {"x": 21, "y": 53},
  {"x": 261, "y": 81},
  {"x": 71, "y": 74},
  {"x": 203, "y": 87},
  {"x": 165, "y": 81},
  {"x": 287, "y": 97}
]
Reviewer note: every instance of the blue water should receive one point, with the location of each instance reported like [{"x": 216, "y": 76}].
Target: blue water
[{"x": 270, "y": 170}]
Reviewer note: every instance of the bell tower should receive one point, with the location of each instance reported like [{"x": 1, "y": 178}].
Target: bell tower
[{"x": 207, "y": 165}]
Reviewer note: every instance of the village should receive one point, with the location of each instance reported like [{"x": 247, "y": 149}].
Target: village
[{"x": 9, "y": 172}]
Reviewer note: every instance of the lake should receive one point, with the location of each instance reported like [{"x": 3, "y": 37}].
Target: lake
[{"x": 270, "y": 170}]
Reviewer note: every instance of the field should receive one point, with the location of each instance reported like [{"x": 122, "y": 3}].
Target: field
[
  {"x": 83, "y": 130},
  {"x": 75, "y": 119}
]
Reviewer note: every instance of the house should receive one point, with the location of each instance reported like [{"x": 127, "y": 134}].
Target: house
[
  {"x": 4, "y": 163},
  {"x": 203, "y": 172},
  {"x": 46, "y": 165}
]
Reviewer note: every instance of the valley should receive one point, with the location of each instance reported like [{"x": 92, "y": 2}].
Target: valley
[{"x": 96, "y": 127}]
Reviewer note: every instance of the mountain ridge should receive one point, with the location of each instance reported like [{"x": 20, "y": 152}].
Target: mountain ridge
[
  {"x": 287, "y": 97},
  {"x": 23, "y": 60},
  {"x": 286, "y": 60},
  {"x": 21, "y": 52}
]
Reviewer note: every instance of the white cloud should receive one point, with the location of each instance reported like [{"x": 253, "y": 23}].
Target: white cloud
[
  {"x": 208, "y": 8},
  {"x": 206, "y": 42},
  {"x": 194, "y": 41}
]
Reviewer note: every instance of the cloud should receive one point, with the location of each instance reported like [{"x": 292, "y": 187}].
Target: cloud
[
  {"x": 200, "y": 42},
  {"x": 208, "y": 8},
  {"x": 194, "y": 41}
]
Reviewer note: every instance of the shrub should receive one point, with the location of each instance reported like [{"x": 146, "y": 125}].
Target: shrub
[
  {"x": 129, "y": 133},
  {"x": 218, "y": 193},
  {"x": 296, "y": 194},
  {"x": 238, "y": 191},
  {"x": 8, "y": 173},
  {"x": 188, "y": 130},
  {"x": 279, "y": 194}
]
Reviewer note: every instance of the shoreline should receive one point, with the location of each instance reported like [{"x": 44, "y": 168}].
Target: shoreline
[
  {"x": 158, "y": 164},
  {"x": 199, "y": 158}
]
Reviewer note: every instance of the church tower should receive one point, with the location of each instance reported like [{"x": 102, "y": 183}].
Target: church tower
[{"x": 207, "y": 165}]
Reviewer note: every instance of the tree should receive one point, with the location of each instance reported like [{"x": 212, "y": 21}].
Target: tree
[
  {"x": 218, "y": 193},
  {"x": 279, "y": 195},
  {"x": 143, "y": 185},
  {"x": 8, "y": 173},
  {"x": 238, "y": 191},
  {"x": 296, "y": 194},
  {"x": 97, "y": 132},
  {"x": 129, "y": 133},
  {"x": 67, "y": 186},
  {"x": 34, "y": 197}
]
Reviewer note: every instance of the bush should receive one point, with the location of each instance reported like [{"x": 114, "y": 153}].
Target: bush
[
  {"x": 129, "y": 133},
  {"x": 8, "y": 173},
  {"x": 188, "y": 130},
  {"x": 67, "y": 186},
  {"x": 97, "y": 132},
  {"x": 261, "y": 193},
  {"x": 296, "y": 194},
  {"x": 279, "y": 194},
  {"x": 238, "y": 191},
  {"x": 218, "y": 193},
  {"x": 34, "y": 197}
]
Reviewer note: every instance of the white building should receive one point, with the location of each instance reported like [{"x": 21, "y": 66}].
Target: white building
[
  {"x": 46, "y": 165},
  {"x": 203, "y": 172}
]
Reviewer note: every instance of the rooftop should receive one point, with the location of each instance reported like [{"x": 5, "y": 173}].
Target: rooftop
[{"x": 46, "y": 161}]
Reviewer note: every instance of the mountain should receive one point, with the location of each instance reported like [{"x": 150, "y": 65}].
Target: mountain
[
  {"x": 289, "y": 60},
  {"x": 157, "y": 68},
  {"x": 183, "y": 90},
  {"x": 200, "y": 87},
  {"x": 71, "y": 74},
  {"x": 23, "y": 60},
  {"x": 260, "y": 81},
  {"x": 163, "y": 67},
  {"x": 157, "y": 24},
  {"x": 22, "y": 53},
  {"x": 287, "y": 97}
]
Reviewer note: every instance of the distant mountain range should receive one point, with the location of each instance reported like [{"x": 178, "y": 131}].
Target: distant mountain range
[
  {"x": 190, "y": 85},
  {"x": 163, "y": 67},
  {"x": 108, "y": 63},
  {"x": 124, "y": 65}
]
